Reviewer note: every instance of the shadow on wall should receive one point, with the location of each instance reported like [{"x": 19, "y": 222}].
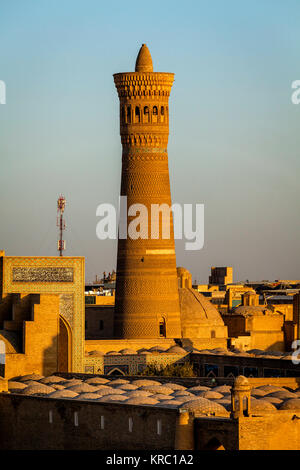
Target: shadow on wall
[{"x": 57, "y": 357}]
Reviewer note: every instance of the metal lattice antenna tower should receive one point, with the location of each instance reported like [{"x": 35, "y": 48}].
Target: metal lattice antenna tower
[{"x": 61, "y": 203}]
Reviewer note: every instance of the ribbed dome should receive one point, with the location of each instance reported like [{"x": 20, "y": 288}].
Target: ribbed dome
[
  {"x": 204, "y": 406},
  {"x": 63, "y": 394},
  {"x": 40, "y": 389},
  {"x": 144, "y": 60},
  {"x": 96, "y": 381},
  {"x": 141, "y": 401},
  {"x": 293, "y": 404},
  {"x": 52, "y": 379}
]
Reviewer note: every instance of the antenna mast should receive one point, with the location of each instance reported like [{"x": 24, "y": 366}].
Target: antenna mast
[{"x": 61, "y": 244}]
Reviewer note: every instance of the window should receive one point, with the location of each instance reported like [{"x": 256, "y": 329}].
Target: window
[
  {"x": 154, "y": 114},
  {"x": 102, "y": 422},
  {"x": 159, "y": 427},
  {"x": 212, "y": 334},
  {"x": 130, "y": 424},
  {"x": 123, "y": 114},
  {"x": 75, "y": 418},
  {"x": 162, "y": 110},
  {"x": 146, "y": 110},
  {"x": 101, "y": 325},
  {"x": 50, "y": 416}
]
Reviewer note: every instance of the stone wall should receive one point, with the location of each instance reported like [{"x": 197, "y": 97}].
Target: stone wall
[{"x": 99, "y": 321}]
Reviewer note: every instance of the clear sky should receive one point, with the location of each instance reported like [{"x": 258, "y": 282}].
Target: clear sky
[{"x": 234, "y": 133}]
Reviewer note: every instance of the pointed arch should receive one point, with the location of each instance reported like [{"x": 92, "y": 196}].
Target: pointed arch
[
  {"x": 64, "y": 356},
  {"x": 116, "y": 371}
]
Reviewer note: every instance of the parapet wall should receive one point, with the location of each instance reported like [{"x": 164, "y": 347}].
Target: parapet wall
[{"x": 38, "y": 423}]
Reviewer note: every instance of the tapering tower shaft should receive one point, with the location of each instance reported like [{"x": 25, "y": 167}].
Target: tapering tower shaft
[{"x": 147, "y": 304}]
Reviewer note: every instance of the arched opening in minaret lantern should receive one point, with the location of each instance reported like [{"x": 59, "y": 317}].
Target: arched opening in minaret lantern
[
  {"x": 137, "y": 114},
  {"x": 128, "y": 114},
  {"x": 146, "y": 114}
]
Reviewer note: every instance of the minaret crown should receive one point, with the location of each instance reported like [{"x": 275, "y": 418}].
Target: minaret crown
[{"x": 144, "y": 60}]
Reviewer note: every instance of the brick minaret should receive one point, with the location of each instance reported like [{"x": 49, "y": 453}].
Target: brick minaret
[{"x": 147, "y": 304}]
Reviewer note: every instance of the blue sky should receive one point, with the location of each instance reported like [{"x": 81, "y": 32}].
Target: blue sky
[{"x": 234, "y": 133}]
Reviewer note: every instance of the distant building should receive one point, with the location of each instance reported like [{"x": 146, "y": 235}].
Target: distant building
[{"x": 221, "y": 276}]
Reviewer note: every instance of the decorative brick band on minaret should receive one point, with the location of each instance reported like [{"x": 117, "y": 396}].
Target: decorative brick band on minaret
[{"x": 147, "y": 304}]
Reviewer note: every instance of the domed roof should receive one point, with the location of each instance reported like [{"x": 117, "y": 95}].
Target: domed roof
[
  {"x": 141, "y": 382},
  {"x": 71, "y": 382},
  {"x": 211, "y": 395},
  {"x": 83, "y": 388},
  {"x": 181, "y": 270},
  {"x": 39, "y": 389},
  {"x": 162, "y": 397},
  {"x": 25, "y": 378},
  {"x": 253, "y": 310},
  {"x": 96, "y": 381},
  {"x": 63, "y": 394},
  {"x": 118, "y": 382},
  {"x": 141, "y": 401},
  {"x": 88, "y": 396},
  {"x": 144, "y": 60},
  {"x": 175, "y": 350},
  {"x": 241, "y": 381},
  {"x": 108, "y": 391},
  {"x": 126, "y": 387},
  {"x": 198, "y": 388},
  {"x": 127, "y": 351},
  {"x": 204, "y": 406},
  {"x": 58, "y": 386},
  {"x": 115, "y": 397},
  {"x": 283, "y": 395},
  {"x": 182, "y": 393},
  {"x": 15, "y": 387},
  {"x": 268, "y": 389},
  {"x": 259, "y": 405},
  {"x": 170, "y": 403},
  {"x": 195, "y": 309},
  {"x": 138, "y": 393},
  {"x": 53, "y": 379},
  {"x": 176, "y": 387},
  {"x": 224, "y": 389},
  {"x": 161, "y": 389},
  {"x": 95, "y": 353},
  {"x": 293, "y": 404}
]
